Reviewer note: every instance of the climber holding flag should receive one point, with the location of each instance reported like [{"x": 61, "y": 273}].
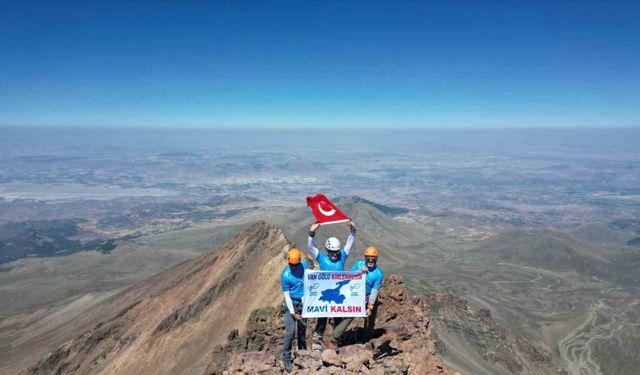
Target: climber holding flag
[
  {"x": 335, "y": 259},
  {"x": 326, "y": 212},
  {"x": 292, "y": 281}
]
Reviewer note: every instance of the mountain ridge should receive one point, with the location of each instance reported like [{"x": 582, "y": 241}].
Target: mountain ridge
[
  {"x": 558, "y": 251},
  {"x": 181, "y": 320},
  {"x": 180, "y": 310}
]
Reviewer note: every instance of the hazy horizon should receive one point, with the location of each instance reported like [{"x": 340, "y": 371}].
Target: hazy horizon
[{"x": 605, "y": 141}]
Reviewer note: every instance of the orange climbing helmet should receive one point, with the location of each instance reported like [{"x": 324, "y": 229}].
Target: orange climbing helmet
[
  {"x": 294, "y": 256},
  {"x": 371, "y": 252}
]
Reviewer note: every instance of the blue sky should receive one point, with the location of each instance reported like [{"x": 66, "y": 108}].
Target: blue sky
[{"x": 320, "y": 64}]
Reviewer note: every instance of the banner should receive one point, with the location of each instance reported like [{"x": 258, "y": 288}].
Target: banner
[
  {"x": 325, "y": 211},
  {"x": 333, "y": 294}
]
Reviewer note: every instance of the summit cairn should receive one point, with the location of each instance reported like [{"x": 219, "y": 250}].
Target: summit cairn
[{"x": 403, "y": 343}]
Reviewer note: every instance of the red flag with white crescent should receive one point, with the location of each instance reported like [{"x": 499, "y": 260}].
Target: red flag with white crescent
[{"x": 325, "y": 211}]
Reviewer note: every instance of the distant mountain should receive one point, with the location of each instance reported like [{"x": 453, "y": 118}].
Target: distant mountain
[
  {"x": 399, "y": 242},
  {"x": 601, "y": 234},
  {"x": 558, "y": 252},
  {"x": 545, "y": 249},
  {"x": 389, "y": 210}
]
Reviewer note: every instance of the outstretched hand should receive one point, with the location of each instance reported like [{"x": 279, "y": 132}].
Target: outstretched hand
[
  {"x": 351, "y": 225},
  {"x": 314, "y": 226}
]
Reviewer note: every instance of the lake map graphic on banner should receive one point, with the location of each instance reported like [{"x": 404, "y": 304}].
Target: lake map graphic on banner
[{"x": 333, "y": 294}]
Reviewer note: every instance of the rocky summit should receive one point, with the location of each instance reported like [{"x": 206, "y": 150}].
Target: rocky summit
[
  {"x": 222, "y": 314},
  {"x": 403, "y": 343}
]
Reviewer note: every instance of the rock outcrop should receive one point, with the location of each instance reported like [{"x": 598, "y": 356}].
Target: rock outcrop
[{"x": 403, "y": 343}]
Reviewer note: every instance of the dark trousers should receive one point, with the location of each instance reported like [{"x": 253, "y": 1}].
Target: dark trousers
[
  {"x": 290, "y": 326},
  {"x": 369, "y": 325},
  {"x": 321, "y": 324}
]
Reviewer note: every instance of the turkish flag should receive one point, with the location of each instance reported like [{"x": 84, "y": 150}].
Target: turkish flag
[{"x": 324, "y": 211}]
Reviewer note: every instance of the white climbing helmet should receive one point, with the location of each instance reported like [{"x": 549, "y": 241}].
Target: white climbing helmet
[{"x": 332, "y": 244}]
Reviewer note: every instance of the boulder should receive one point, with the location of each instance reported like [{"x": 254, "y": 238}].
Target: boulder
[{"x": 331, "y": 358}]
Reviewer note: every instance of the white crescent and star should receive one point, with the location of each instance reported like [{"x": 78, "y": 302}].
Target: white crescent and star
[{"x": 325, "y": 213}]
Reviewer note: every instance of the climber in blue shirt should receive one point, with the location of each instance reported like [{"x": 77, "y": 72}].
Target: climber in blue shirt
[
  {"x": 375, "y": 276},
  {"x": 373, "y": 282},
  {"x": 334, "y": 260},
  {"x": 292, "y": 281},
  {"x": 336, "y": 257}
]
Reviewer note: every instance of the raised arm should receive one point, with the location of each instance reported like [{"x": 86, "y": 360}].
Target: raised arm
[
  {"x": 352, "y": 237},
  {"x": 311, "y": 242}
]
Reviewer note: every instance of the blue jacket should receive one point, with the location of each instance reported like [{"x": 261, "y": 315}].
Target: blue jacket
[
  {"x": 293, "y": 281},
  {"x": 327, "y": 264},
  {"x": 374, "y": 276}
]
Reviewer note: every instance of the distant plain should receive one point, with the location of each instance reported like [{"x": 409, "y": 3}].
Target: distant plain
[{"x": 541, "y": 227}]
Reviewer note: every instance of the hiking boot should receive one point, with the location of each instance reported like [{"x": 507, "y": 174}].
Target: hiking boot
[
  {"x": 288, "y": 365},
  {"x": 316, "y": 343},
  {"x": 317, "y": 338},
  {"x": 332, "y": 345}
]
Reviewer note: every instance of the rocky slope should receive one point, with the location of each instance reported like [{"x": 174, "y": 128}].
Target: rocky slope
[
  {"x": 560, "y": 252},
  {"x": 474, "y": 343},
  {"x": 403, "y": 343},
  {"x": 169, "y": 323},
  {"x": 221, "y": 314}
]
